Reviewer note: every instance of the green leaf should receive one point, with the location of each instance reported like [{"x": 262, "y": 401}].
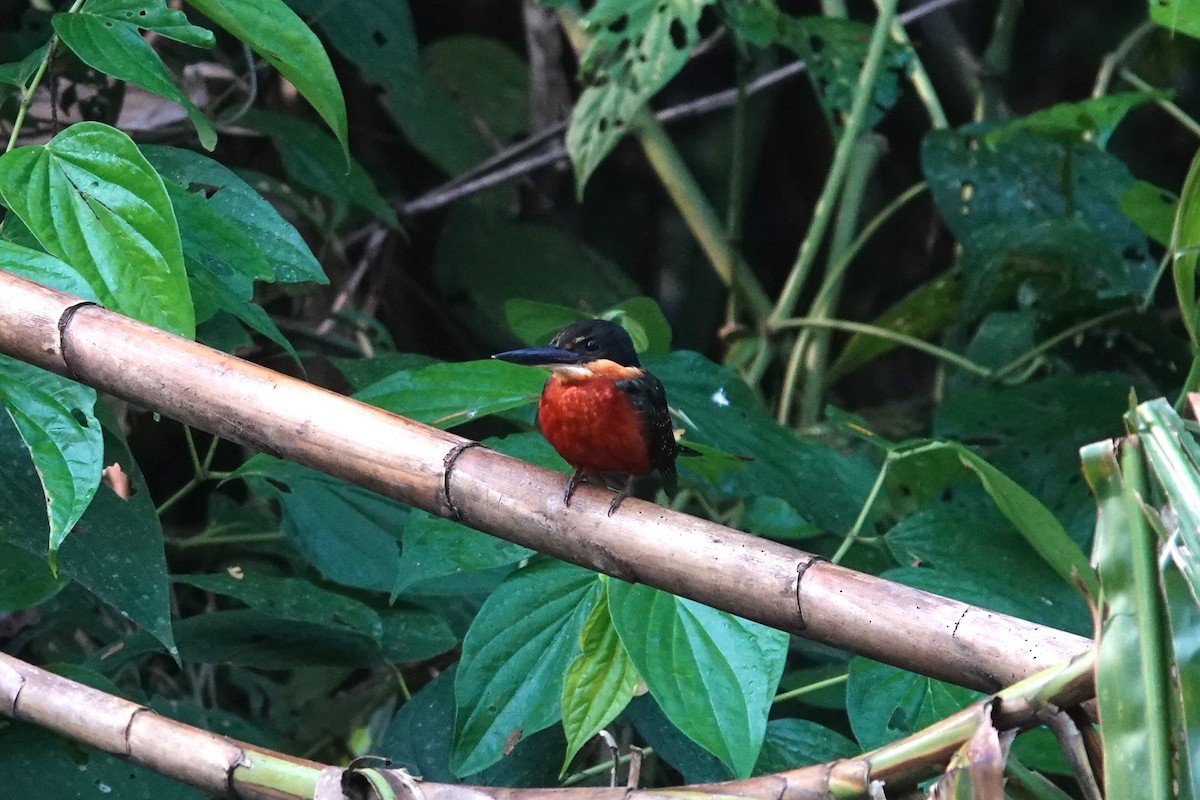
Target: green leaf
[
  {"x": 1131, "y": 664},
  {"x": 25, "y": 579},
  {"x": 450, "y": 394},
  {"x": 435, "y": 548},
  {"x": 925, "y": 311},
  {"x": 509, "y": 680},
  {"x": 1069, "y": 122},
  {"x": 637, "y": 46},
  {"x": 776, "y": 519},
  {"x": 57, "y": 421},
  {"x": 1037, "y": 216},
  {"x": 835, "y": 52},
  {"x": 1185, "y": 249},
  {"x": 412, "y": 633},
  {"x": 971, "y": 552},
  {"x": 793, "y": 743},
  {"x": 45, "y": 269},
  {"x": 249, "y": 638},
  {"x": 598, "y": 683},
  {"x": 536, "y": 323},
  {"x": 1035, "y": 522},
  {"x": 313, "y": 159},
  {"x": 92, "y": 200},
  {"x": 418, "y": 738},
  {"x": 351, "y": 535},
  {"x": 696, "y": 764},
  {"x": 1152, "y": 209},
  {"x": 273, "y": 30},
  {"x": 235, "y": 201},
  {"x": 362, "y": 372},
  {"x": 887, "y": 703},
  {"x": 18, "y": 73},
  {"x": 117, "y": 552},
  {"x": 1176, "y": 15},
  {"x": 105, "y": 36},
  {"x": 32, "y": 759},
  {"x": 713, "y": 674},
  {"x": 649, "y": 329},
  {"x": 717, "y": 408},
  {"x": 292, "y": 599}
]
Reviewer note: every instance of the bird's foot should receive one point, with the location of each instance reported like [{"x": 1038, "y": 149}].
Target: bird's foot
[
  {"x": 621, "y": 495},
  {"x": 572, "y": 482}
]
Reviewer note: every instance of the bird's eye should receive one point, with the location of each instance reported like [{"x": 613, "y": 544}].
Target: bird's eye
[{"x": 591, "y": 345}]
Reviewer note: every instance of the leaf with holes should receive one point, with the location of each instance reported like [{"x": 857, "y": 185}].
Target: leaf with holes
[
  {"x": 713, "y": 674},
  {"x": 56, "y": 419},
  {"x": 510, "y": 677},
  {"x": 92, "y": 200},
  {"x": 273, "y": 30},
  {"x": 105, "y": 35},
  {"x": 637, "y": 46}
]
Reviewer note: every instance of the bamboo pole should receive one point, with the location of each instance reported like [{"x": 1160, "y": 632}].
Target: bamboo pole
[
  {"x": 229, "y": 768},
  {"x": 454, "y": 477}
]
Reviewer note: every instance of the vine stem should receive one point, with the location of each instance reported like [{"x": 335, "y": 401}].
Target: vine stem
[
  {"x": 949, "y": 356},
  {"x": 28, "y": 92},
  {"x": 809, "y": 688},
  {"x": 864, "y": 92},
  {"x": 853, "y": 534}
]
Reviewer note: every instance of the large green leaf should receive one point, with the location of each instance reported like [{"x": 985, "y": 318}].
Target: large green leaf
[
  {"x": 637, "y": 46},
  {"x": 313, "y": 159},
  {"x": 348, "y": 533},
  {"x": 1037, "y": 215},
  {"x": 292, "y": 599},
  {"x": 1185, "y": 249},
  {"x": 451, "y": 394},
  {"x": 598, "y": 683},
  {"x": 57, "y": 421},
  {"x": 419, "y": 738},
  {"x": 25, "y": 579},
  {"x": 235, "y": 201},
  {"x": 793, "y": 743},
  {"x": 92, "y": 200},
  {"x": 105, "y": 36},
  {"x": 435, "y": 548},
  {"x": 117, "y": 552},
  {"x": 1177, "y": 15},
  {"x": 510, "y": 676},
  {"x": 249, "y": 638},
  {"x": 1070, "y": 122},
  {"x": 713, "y": 674},
  {"x": 273, "y": 30},
  {"x": 716, "y": 408},
  {"x": 887, "y": 703}
]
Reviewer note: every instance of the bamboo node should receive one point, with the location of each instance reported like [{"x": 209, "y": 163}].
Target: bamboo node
[
  {"x": 801, "y": 568},
  {"x": 448, "y": 461},
  {"x": 63, "y": 321}
]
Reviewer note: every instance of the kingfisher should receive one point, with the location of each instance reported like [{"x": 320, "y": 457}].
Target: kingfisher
[{"x": 604, "y": 414}]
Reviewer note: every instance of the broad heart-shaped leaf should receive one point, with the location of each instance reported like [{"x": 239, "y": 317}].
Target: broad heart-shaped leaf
[
  {"x": 435, "y": 547},
  {"x": 117, "y": 552},
  {"x": 637, "y": 46},
  {"x": 25, "y": 579},
  {"x": 713, "y": 674},
  {"x": 275, "y": 239},
  {"x": 419, "y": 738},
  {"x": 350, "y": 534},
  {"x": 57, "y": 421},
  {"x": 448, "y": 394},
  {"x": 535, "y": 323},
  {"x": 1035, "y": 522},
  {"x": 105, "y": 36},
  {"x": 792, "y": 743},
  {"x": 1177, "y": 15},
  {"x": 292, "y": 599},
  {"x": 273, "y": 30},
  {"x": 835, "y": 51},
  {"x": 92, "y": 200},
  {"x": 1071, "y": 122},
  {"x": 599, "y": 682},
  {"x": 968, "y": 550},
  {"x": 43, "y": 268},
  {"x": 715, "y": 407},
  {"x": 887, "y": 703},
  {"x": 510, "y": 676},
  {"x": 313, "y": 159},
  {"x": 1037, "y": 215}
]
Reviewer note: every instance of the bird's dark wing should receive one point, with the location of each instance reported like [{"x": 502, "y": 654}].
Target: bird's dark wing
[{"x": 648, "y": 397}]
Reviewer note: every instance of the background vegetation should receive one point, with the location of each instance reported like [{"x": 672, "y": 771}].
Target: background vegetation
[{"x": 908, "y": 284}]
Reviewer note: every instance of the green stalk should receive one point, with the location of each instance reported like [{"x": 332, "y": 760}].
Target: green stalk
[
  {"x": 919, "y": 77},
  {"x": 867, "y": 505},
  {"x": 28, "y": 92},
  {"x": 809, "y": 688},
  {"x": 864, "y": 91},
  {"x": 698, "y": 213},
  {"x": 1180, "y": 116},
  {"x": 813, "y": 343}
]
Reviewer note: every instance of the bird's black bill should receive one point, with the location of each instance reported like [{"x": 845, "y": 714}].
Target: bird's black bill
[{"x": 540, "y": 356}]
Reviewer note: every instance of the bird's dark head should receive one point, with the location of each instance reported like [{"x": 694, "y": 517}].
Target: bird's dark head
[{"x": 579, "y": 344}]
